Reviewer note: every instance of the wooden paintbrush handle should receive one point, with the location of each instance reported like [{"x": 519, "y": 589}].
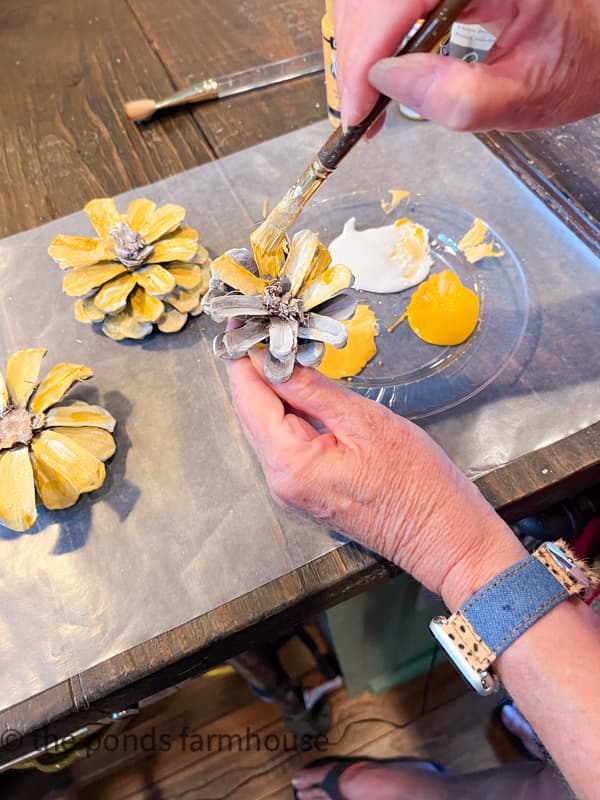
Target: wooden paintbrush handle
[{"x": 435, "y": 27}]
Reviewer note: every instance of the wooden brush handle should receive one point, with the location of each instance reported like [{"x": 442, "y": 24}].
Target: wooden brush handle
[{"x": 435, "y": 27}]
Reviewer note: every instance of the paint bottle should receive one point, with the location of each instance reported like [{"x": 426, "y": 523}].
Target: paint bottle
[
  {"x": 469, "y": 42},
  {"x": 329, "y": 58}
]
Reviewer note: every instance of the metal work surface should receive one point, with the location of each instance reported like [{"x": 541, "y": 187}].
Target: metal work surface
[{"x": 184, "y": 523}]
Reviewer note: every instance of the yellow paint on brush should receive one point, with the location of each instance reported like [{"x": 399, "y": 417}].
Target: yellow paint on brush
[
  {"x": 359, "y": 350},
  {"x": 398, "y": 195},
  {"x": 473, "y": 246},
  {"x": 442, "y": 311}
]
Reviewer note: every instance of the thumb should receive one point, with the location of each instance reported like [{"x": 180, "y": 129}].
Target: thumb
[
  {"x": 314, "y": 396},
  {"x": 453, "y": 93}
]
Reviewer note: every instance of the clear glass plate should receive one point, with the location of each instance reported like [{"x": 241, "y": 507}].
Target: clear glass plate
[{"x": 412, "y": 377}]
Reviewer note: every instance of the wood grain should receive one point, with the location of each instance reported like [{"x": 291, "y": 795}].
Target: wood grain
[
  {"x": 206, "y": 39},
  {"x": 65, "y": 69},
  {"x": 456, "y": 730}
]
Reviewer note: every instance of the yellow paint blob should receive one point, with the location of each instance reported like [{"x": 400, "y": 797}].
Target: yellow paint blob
[
  {"x": 473, "y": 246},
  {"x": 442, "y": 311},
  {"x": 359, "y": 350},
  {"x": 398, "y": 195}
]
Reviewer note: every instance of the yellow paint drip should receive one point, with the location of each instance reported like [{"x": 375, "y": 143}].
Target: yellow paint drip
[
  {"x": 359, "y": 350},
  {"x": 484, "y": 250},
  {"x": 473, "y": 246},
  {"x": 442, "y": 311},
  {"x": 397, "y": 196}
]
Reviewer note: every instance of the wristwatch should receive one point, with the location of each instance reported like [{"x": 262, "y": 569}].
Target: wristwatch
[{"x": 475, "y": 635}]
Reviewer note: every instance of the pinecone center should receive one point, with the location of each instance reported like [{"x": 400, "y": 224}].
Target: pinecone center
[
  {"x": 279, "y": 301},
  {"x": 130, "y": 247},
  {"x": 17, "y": 426}
]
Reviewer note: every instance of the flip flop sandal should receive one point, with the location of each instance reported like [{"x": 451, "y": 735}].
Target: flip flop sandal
[{"x": 330, "y": 783}]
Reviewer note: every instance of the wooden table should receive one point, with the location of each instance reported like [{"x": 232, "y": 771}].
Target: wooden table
[{"x": 66, "y": 66}]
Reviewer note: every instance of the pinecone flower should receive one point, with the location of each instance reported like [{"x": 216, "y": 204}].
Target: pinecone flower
[
  {"x": 295, "y": 313},
  {"x": 50, "y": 452},
  {"x": 144, "y": 269}
]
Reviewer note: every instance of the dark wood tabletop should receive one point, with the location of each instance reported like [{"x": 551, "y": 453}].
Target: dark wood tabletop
[{"x": 66, "y": 66}]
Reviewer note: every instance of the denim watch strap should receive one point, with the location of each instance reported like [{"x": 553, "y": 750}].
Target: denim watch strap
[{"x": 509, "y": 604}]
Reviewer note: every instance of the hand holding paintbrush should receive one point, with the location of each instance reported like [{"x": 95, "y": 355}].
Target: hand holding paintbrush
[{"x": 269, "y": 238}]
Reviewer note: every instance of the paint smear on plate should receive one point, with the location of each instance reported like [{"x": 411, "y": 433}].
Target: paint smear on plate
[
  {"x": 398, "y": 195},
  {"x": 442, "y": 310},
  {"x": 386, "y": 259},
  {"x": 473, "y": 246},
  {"x": 359, "y": 350}
]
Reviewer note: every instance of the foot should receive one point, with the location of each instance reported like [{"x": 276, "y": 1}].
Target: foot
[
  {"x": 399, "y": 780},
  {"x": 515, "y": 723}
]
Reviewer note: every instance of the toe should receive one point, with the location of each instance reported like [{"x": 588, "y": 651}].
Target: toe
[
  {"x": 310, "y": 776},
  {"x": 311, "y": 794}
]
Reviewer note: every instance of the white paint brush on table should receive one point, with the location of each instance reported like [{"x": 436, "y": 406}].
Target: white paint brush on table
[{"x": 245, "y": 81}]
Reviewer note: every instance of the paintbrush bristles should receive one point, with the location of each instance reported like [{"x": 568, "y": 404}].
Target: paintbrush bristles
[
  {"x": 137, "y": 110},
  {"x": 269, "y": 237}
]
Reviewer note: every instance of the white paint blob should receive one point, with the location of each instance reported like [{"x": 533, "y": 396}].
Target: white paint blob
[{"x": 387, "y": 259}]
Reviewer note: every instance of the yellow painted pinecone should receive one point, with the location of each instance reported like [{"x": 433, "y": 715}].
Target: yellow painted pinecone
[
  {"x": 144, "y": 269},
  {"x": 292, "y": 302},
  {"x": 49, "y": 451}
]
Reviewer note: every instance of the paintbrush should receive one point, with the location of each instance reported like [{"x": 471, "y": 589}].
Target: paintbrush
[
  {"x": 236, "y": 83},
  {"x": 269, "y": 238}
]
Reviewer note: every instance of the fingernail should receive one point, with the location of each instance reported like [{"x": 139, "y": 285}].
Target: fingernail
[{"x": 402, "y": 79}]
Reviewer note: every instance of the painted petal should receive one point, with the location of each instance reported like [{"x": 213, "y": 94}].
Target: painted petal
[
  {"x": 279, "y": 371},
  {"x": 156, "y": 280},
  {"x": 17, "y": 490},
  {"x": 82, "y": 280},
  {"x": 188, "y": 276},
  {"x": 181, "y": 246},
  {"x": 331, "y": 282},
  {"x": 80, "y": 251},
  {"x": 298, "y": 264},
  {"x": 87, "y": 311},
  {"x": 22, "y": 373},
  {"x": 310, "y": 354},
  {"x": 282, "y": 336},
  {"x": 324, "y": 329},
  {"x": 183, "y": 301},
  {"x": 112, "y": 296},
  {"x": 80, "y": 415},
  {"x": 125, "y": 326},
  {"x": 139, "y": 213},
  {"x": 95, "y": 440},
  {"x": 75, "y": 465},
  {"x": 54, "y": 490},
  {"x": 163, "y": 220},
  {"x": 269, "y": 259},
  {"x": 171, "y": 321},
  {"x": 320, "y": 263},
  {"x": 202, "y": 256},
  {"x": 144, "y": 307},
  {"x": 57, "y": 383},
  {"x": 233, "y": 274},
  {"x": 103, "y": 215},
  {"x": 195, "y": 312},
  {"x": 3, "y": 394},
  {"x": 244, "y": 258},
  {"x": 239, "y": 340},
  {"x": 341, "y": 307},
  {"x": 238, "y": 305}
]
